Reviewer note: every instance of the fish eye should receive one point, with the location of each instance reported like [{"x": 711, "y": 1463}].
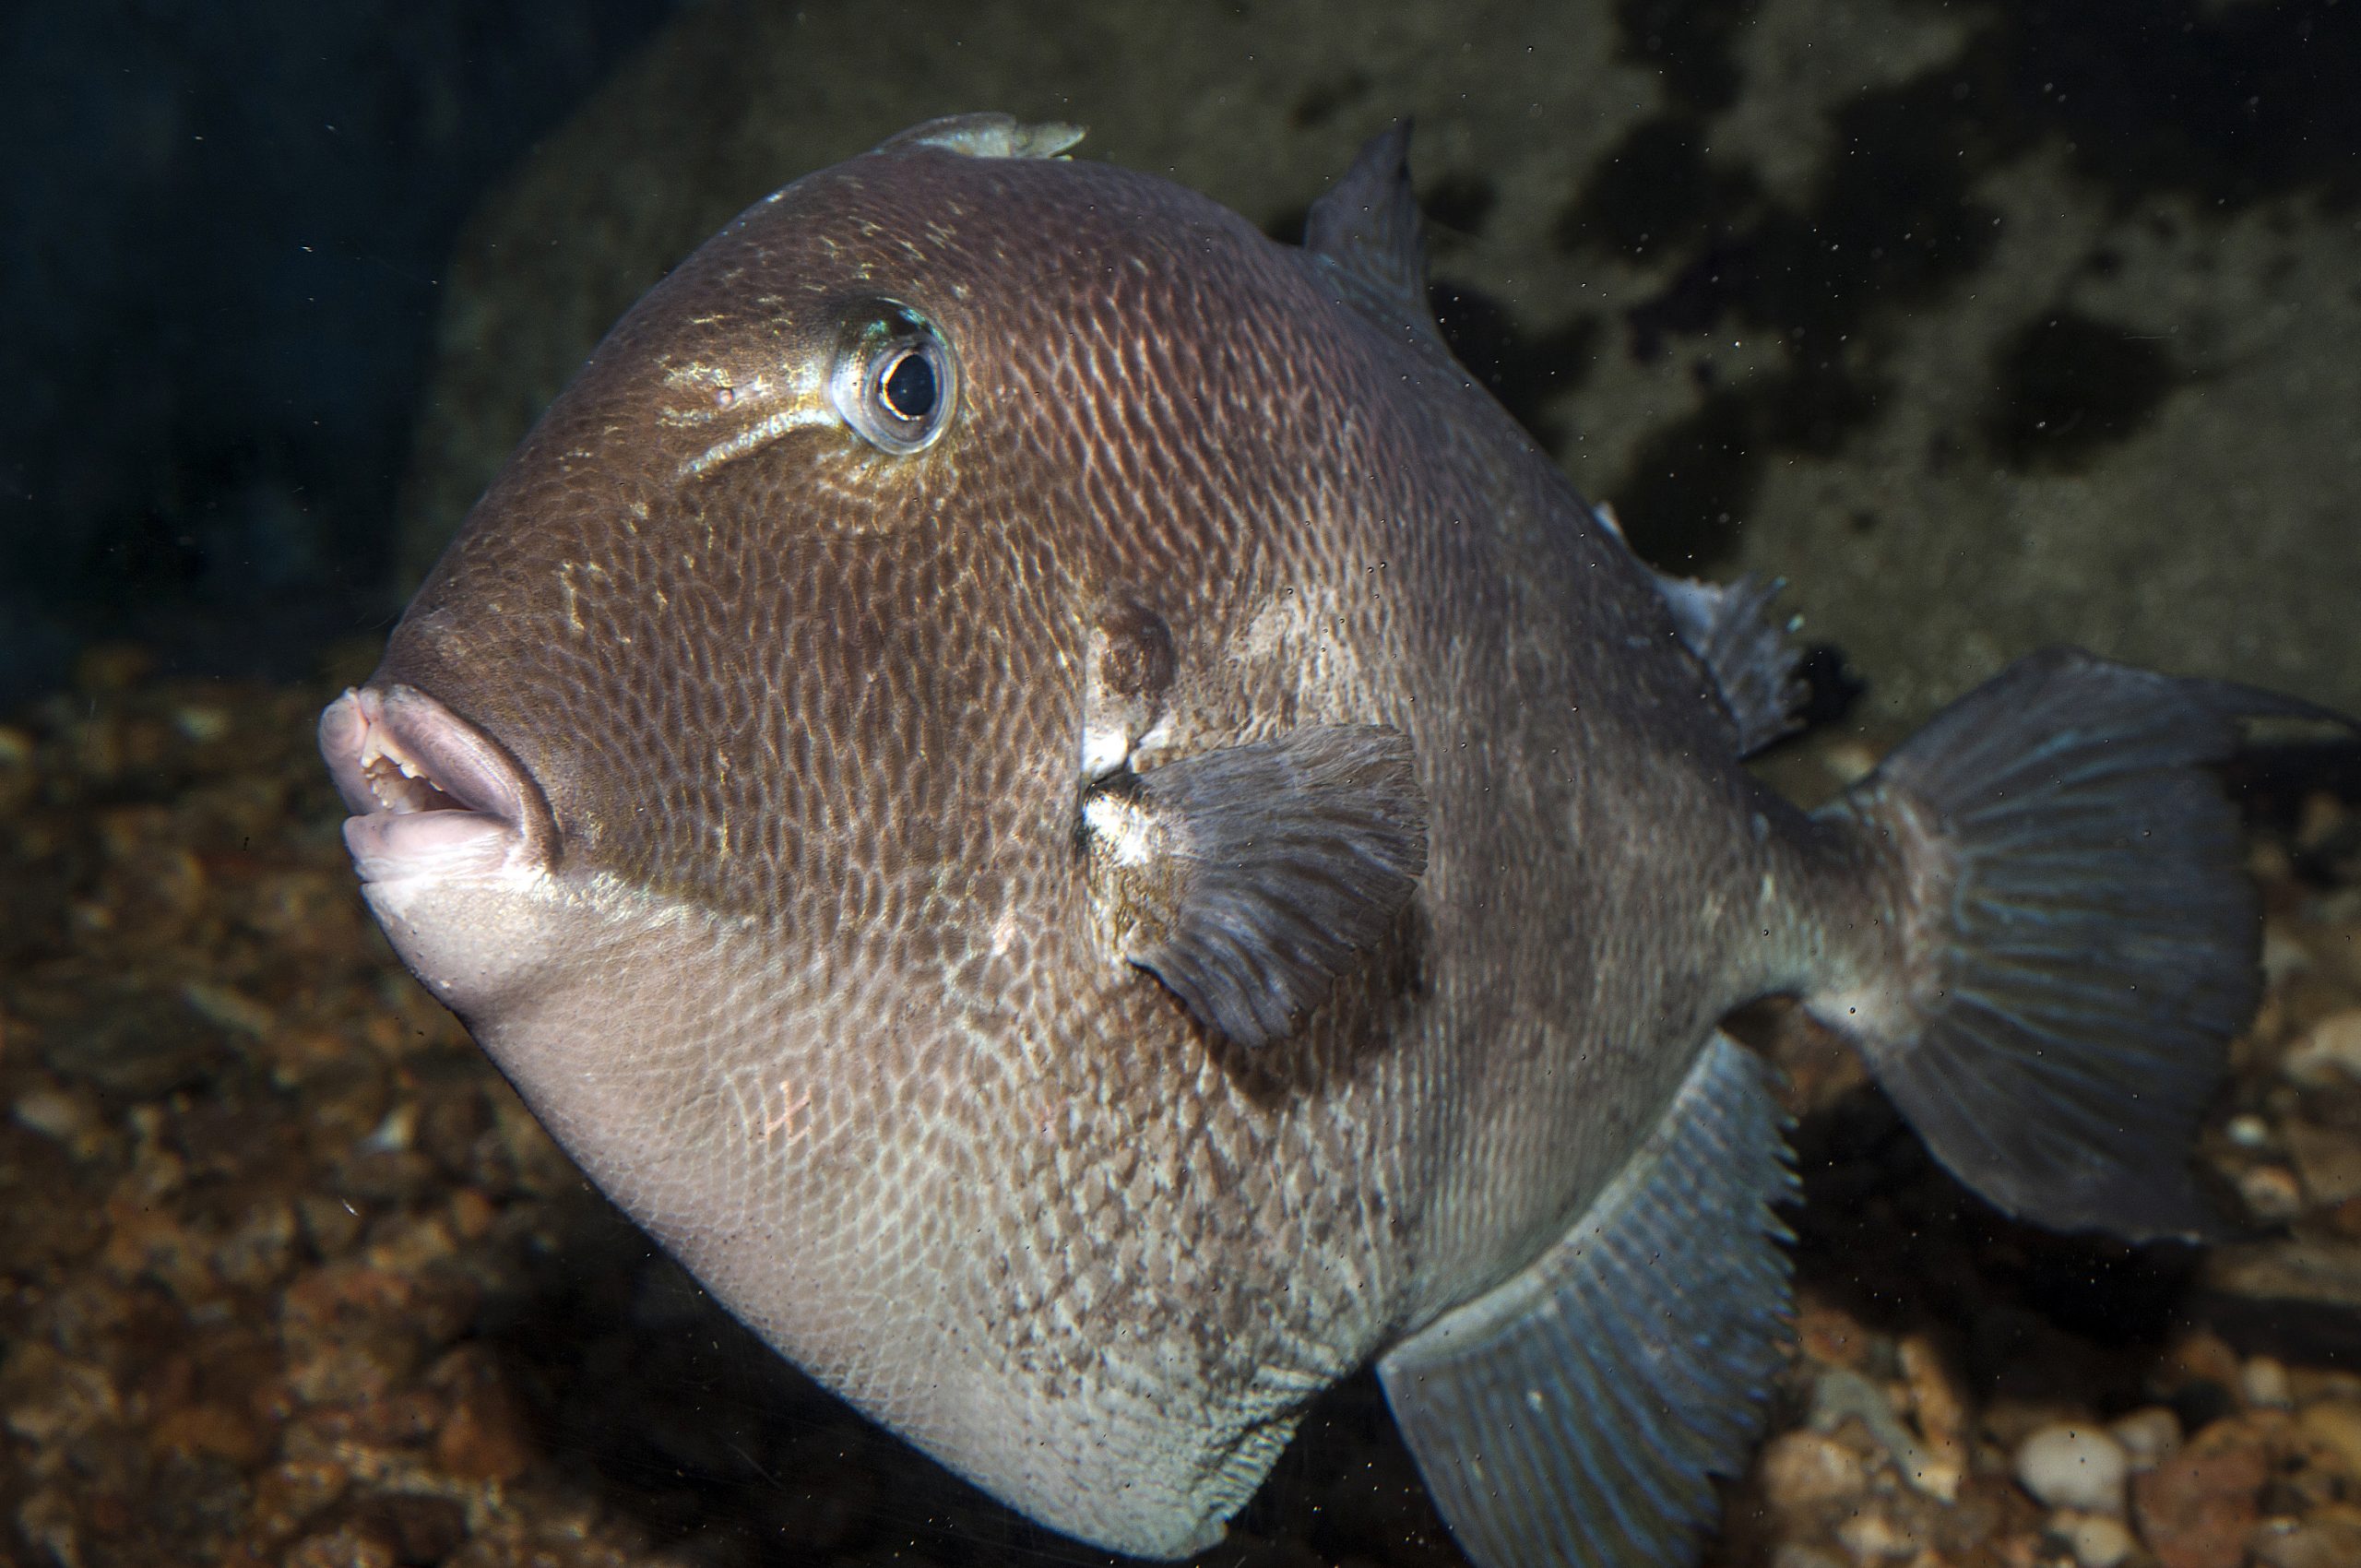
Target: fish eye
[
  {"x": 908, "y": 387},
  {"x": 894, "y": 384}
]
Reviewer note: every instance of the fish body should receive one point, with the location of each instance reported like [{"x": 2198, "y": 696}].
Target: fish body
[{"x": 1063, "y": 808}]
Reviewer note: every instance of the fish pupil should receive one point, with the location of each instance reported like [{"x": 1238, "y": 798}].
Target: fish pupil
[{"x": 908, "y": 386}]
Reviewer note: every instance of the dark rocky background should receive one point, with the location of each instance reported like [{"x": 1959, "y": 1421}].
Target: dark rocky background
[
  {"x": 226, "y": 228},
  {"x": 1987, "y": 323}
]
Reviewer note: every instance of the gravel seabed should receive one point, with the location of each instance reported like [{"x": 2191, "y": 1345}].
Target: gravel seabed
[{"x": 288, "y": 1275}]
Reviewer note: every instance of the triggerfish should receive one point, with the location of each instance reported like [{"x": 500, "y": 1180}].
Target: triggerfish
[{"x": 1062, "y": 807}]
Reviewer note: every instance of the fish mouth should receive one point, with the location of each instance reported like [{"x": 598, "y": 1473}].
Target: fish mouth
[{"x": 432, "y": 796}]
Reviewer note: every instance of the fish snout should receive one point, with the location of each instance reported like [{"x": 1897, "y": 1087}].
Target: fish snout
[{"x": 432, "y": 795}]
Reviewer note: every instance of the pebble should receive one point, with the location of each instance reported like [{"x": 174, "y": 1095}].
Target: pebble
[
  {"x": 2283, "y": 955},
  {"x": 229, "y": 1008},
  {"x": 1872, "y": 1535},
  {"x": 69, "y": 1117},
  {"x": 2078, "y": 1468},
  {"x": 2336, "y": 1425},
  {"x": 201, "y": 724},
  {"x": 2271, "y": 1193},
  {"x": 2314, "y": 1383},
  {"x": 260, "y": 1249},
  {"x": 1838, "y": 1393},
  {"x": 2150, "y": 1435},
  {"x": 1830, "y": 1336},
  {"x": 2248, "y": 1131},
  {"x": 344, "y": 1548},
  {"x": 2328, "y": 1052},
  {"x": 1849, "y": 761},
  {"x": 290, "y": 1493},
  {"x": 1795, "y": 1554},
  {"x": 1800, "y": 1469},
  {"x": 2329, "y": 1159},
  {"x": 217, "y": 1431},
  {"x": 1941, "y": 1415},
  {"x": 486, "y": 1437},
  {"x": 2196, "y": 1510},
  {"x": 2263, "y": 1381},
  {"x": 2097, "y": 1540},
  {"x": 2331, "y": 1539},
  {"x": 2201, "y": 1356},
  {"x": 472, "y": 1215}
]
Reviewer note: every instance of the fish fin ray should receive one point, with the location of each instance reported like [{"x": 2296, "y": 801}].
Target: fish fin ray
[
  {"x": 1576, "y": 1415},
  {"x": 2092, "y": 942},
  {"x": 1729, "y": 630},
  {"x": 1369, "y": 240},
  {"x": 1266, "y": 868}
]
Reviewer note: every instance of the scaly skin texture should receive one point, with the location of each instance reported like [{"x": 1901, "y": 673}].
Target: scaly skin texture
[{"x": 821, "y": 997}]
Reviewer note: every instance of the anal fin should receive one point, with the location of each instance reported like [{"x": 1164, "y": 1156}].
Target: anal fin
[{"x": 1575, "y": 1414}]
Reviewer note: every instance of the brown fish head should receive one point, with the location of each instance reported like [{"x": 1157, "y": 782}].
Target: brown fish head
[{"x": 724, "y": 777}]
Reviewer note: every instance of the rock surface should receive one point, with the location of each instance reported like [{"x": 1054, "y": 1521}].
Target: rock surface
[{"x": 1988, "y": 325}]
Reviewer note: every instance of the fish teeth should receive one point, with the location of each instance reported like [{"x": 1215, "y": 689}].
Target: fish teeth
[{"x": 414, "y": 790}]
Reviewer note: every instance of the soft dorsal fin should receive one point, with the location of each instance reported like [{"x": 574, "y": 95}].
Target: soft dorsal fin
[
  {"x": 1728, "y": 628},
  {"x": 1367, "y": 236}
]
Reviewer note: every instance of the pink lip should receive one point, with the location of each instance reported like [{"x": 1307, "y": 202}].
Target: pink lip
[{"x": 430, "y": 794}]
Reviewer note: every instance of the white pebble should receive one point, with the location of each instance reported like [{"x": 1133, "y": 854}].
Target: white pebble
[
  {"x": 2074, "y": 1466},
  {"x": 2150, "y": 1435},
  {"x": 2096, "y": 1540},
  {"x": 2248, "y": 1131}
]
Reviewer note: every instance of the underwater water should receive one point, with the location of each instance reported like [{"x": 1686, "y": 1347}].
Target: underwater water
[{"x": 1990, "y": 325}]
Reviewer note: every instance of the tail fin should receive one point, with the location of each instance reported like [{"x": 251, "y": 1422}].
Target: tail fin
[{"x": 2087, "y": 936}]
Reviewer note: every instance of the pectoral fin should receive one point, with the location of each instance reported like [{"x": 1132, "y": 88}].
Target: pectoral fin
[{"x": 1247, "y": 879}]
